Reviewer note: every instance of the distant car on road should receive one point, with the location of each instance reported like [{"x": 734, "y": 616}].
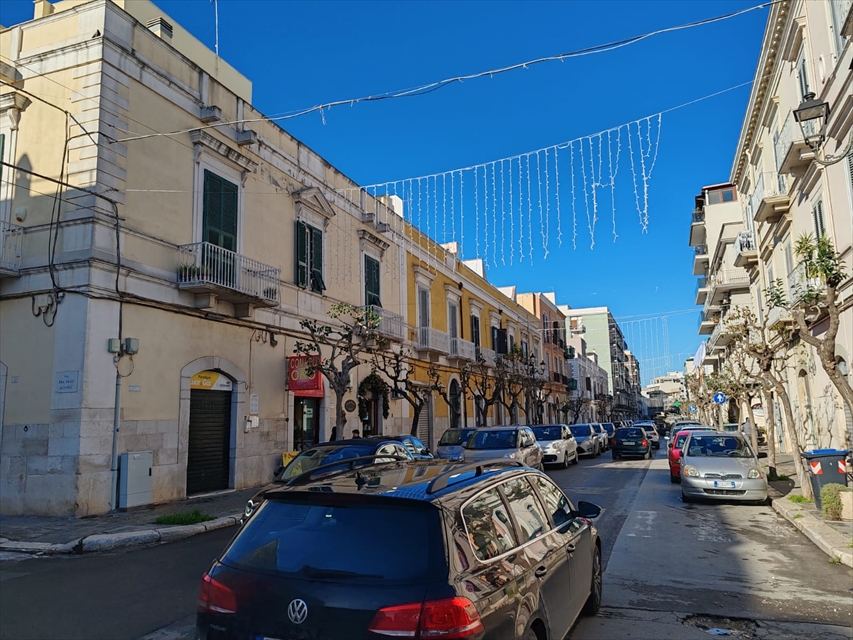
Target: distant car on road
[
  {"x": 450, "y": 444},
  {"x": 587, "y": 439},
  {"x": 417, "y": 448},
  {"x": 630, "y": 441},
  {"x": 651, "y": 432},
  {"x": 516, "y": 442},
  {"x": 603, "y": 437},
  {"x": 558, "y": 444},
  {"x": 719, "y": 465}
]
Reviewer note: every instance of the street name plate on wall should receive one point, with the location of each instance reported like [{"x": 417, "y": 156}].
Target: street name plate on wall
[
  {"x": 253, "y": 404},
  {"x": 65, "y": 382}
]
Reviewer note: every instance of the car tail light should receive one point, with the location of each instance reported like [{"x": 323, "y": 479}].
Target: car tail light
[
  {"x": 215, "y": 597},
  {"x": 645, "y": 443},
  {"x": 612, "y": 442},
  {"x": 448, "y": 618}
]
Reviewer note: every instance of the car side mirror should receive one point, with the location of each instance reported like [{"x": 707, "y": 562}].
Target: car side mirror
[
  {"x": 587, "y": 510},
  {"x": 277, "y": 472}
]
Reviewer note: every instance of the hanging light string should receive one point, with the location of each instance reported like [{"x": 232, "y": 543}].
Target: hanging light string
[{"x": 440, "y": 84}]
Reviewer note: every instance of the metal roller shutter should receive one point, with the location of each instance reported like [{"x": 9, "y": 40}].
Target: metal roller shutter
[{"x": 209, "y": 441}]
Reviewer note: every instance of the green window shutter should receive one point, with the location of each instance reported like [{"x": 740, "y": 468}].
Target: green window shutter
[
  {"x": 475, "y": 330},
  {"x": 371, "y": 282},
  {"x": 423, "y": 310},
  {"x": 817, "y": 216},
  {"x": 301, "y": 275},
  {"x": 2, "y": 155},
  {"x": 316, "y": 260},
  {"x": 220, "y": 211}
]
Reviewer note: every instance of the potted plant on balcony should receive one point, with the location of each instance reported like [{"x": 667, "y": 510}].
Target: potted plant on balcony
[{"x": 192, "y": 273}]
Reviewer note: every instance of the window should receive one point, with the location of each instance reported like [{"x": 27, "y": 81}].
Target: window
[
  {"x": 488, "y": 525},
  {"x": 526, "y": 508},
  {"x": 423, "y": 307},
  {"x": 524, "y": 348},
  {"x": 475, "y": 330},
  {"x": 721, "y": 195},
  {"x": 817, "y": 218},
  {"x": 371, "y": 281},
  {"x": 309, "y": 257},
  {"x": 838, "y": 8},
  {"x": 555, "y": 502},
  {"x": 220, "y": 212},
  {"x": 453, "y": 320},
  {"x": 802, "y": 75},
  {"x": 545, "y": 333}
]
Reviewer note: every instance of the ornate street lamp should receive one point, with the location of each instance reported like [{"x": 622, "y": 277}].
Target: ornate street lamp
[{"x": 812, "y": 115}]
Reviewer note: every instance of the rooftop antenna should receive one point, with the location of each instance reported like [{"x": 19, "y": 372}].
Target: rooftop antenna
[{"x": 216, "y": 17}]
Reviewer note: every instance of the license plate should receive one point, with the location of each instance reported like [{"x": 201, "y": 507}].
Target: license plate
[
  {"x": 626, "y": 442},
  {"x": 726, "y": 484}
]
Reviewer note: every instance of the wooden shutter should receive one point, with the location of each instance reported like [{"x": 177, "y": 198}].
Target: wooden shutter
[
  {"x": 371, "y": 281},
  {"x": 452, "y": 321},
  {"x": 301, "y": 275},
  {"x": 423, "y": 307},
  {"x": 316, "y": 260},
  {"x": 817, "y": 217},
  {"x": 220, "y": 211},
  {"x": 475, "y": 330}
]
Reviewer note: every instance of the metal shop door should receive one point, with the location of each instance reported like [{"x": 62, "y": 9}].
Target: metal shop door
[{"x": 209, "y": 450}]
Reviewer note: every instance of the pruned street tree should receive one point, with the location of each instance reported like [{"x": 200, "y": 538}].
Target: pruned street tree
[
  {"x": 511, "y": 371},
  {"x": 478, "y": 379},
  {"x": 336, "y": 348},
  {"x": 396, "y": 366}
]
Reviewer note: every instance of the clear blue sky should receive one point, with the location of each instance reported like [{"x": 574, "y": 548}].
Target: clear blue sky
[{"x": 299, "y": 54}]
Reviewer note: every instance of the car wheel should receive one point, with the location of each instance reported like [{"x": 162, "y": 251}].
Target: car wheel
[
  {"x": 615, "y": 455},
  {"x": 597, "y": 452},
  {"x": 577, "y": 457},
  {"x": 648, "y": 454},
  {"x": 565, "y": 460},
  {"x": 686, "y": 499},
  {"x": 674, "y": 479},
  {"x": 530, "y": 634},
  {"x": 593, "y": 602}
]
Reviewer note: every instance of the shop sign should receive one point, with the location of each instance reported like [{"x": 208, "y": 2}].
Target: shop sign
[
  {"x": 299, "y": 382},
  {"x": 210, "y": 381}
]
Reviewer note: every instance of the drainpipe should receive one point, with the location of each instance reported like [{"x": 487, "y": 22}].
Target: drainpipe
[{"x": 114, "y": 460}]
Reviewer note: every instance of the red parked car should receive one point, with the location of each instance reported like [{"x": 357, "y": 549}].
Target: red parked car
[{"x": 674, "y": 455}]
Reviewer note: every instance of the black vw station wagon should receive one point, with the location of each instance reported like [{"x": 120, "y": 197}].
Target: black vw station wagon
[{"x": 490, "y": 550}]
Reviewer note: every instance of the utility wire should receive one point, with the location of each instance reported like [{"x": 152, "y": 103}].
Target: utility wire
[{"x": 435, "y": 86}]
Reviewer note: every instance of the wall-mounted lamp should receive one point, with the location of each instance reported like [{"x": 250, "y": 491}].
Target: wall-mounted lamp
[{"x": 812, "y": 115}]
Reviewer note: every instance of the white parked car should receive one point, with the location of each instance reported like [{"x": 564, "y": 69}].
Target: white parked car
[
  {"x": 558, "y": 444},
  {"x": 651, "y": 433}
]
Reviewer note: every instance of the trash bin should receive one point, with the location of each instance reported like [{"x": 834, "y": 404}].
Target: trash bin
[{"x": 826, "y": 466}]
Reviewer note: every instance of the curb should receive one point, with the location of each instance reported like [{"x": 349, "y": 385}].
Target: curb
[
  {"x": 827, "y": 539},
  {"x": 125, "y": 539}
]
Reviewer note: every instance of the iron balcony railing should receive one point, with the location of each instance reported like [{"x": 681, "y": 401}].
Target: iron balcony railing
[
  {"x": 731, "y": 277},
  {"x": 487, "y": 355},
  {"x": 390, "y": 324},
  {"x": 745, "y": 241},
  {"x": 701, "y": 249},
  {"x": 768, "y": 185},
  {"x": 698, "y": 215},
  {"x": 801, "y": 286},
  {"x": 206, "y": 264},
  {"x": 433, "y": 340},
  {"x": 11, "y": 246},
  {"x": 463, "y": 349},
  {"x": 790, "y": 135}
]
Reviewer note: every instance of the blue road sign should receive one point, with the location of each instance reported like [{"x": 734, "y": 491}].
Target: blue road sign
[
  {"x": 719, "y": 398},
  {"x": 692, "y": 408}
]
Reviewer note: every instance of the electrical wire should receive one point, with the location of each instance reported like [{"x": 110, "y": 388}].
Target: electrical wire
[{"x": 428, "y": 88}]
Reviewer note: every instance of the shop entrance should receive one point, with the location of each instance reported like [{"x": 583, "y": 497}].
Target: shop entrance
[
  {"x": 306, "y": 414},
  {"x": 209, "y": 446}
]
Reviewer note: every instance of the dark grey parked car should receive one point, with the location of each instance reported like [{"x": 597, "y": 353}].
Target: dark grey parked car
[{"x": 516, "y": 442}]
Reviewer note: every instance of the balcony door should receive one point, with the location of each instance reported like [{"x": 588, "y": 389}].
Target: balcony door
[{"x": 219, "y": 229}]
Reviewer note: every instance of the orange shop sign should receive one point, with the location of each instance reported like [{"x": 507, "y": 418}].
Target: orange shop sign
[{"x": 298, "y": 380}]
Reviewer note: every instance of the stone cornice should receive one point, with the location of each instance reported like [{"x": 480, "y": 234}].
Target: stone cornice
[{"x": 203, "y": 140}]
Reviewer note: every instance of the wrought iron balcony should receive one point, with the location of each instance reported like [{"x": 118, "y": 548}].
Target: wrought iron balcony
[
  {"x": 770, "y": 200},
  {"x": 433, "y": 340},
  {"x": 462, "y": 349},
  {"x": 487, "y": 355},
  {"x": 721, "y": 336},
  {"x": 791, "y": 150},
  {"x": 207, "y": 268},
  {"x": 11, "y": 248},
  {"x": 391, "y": 325},
  {"x": 778, "y": 315},
  {"x": 746, "y": 249},
  {"x": 724, "y": 281},
  {"x": 802, "y": 287}
]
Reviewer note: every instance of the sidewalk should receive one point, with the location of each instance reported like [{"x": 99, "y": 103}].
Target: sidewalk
[
  {"x": 49, "y": 535},
  {"x": 833, "y": 538}
]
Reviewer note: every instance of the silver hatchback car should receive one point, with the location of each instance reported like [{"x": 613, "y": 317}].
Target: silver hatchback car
[
  {"x": 720, "y": 465},
  {"x": 516, "y": 442}
]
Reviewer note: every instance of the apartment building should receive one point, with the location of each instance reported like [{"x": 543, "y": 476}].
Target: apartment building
[
  {"x": 604, "y": 337},
  {"x": 588, "y": 401},
  {"x": 152, "y": 287},
  {"x": 663, "y": 392},
  {"x": 793, "y": 181}
]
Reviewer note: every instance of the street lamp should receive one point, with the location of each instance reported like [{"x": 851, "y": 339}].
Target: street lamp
[{"x": 812, "y": 115}]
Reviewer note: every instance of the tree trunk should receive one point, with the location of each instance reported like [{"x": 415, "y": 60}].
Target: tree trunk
[
  {"x": 416, "y": 416},
  {"x": 339, "y": 412},
  {"x": 770, "y": 427},
  {"x": 753, "y": 427},
  {"x": 793, "y": 436}
]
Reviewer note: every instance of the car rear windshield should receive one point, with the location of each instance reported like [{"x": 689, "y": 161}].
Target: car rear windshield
[
  {"x": 328, "y": 540},
  {"x": 548, "y": 433},
  {"x": 455, "y": 436},
  {"x": 626, "y": 433},
  {"x": 313, "y": 458},
  {"x": 718, "y": 446},
  {"x": 486, "y": 439},
  {"x": 580, "y": 430}
]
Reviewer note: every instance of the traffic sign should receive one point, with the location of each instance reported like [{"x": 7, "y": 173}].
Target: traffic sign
[
  {"x": 692, "y": 408},
  {"x": 719, "y": 398}
]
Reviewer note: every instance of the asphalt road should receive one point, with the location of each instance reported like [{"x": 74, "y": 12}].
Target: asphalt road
[{"x": 671, "y": 571}]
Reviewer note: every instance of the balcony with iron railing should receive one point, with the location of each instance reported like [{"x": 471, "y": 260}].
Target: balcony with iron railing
[
  {"x": 489, "y": 356},
  {"x": 790, "y": 148},
  {"x": 433, "y": 340},
  {"x": 721, "y": 336},
  {"x": 746, "y": 249},
  {"x": 391, "y": 325},
  {"x": 700, "y": 259},
  {"x": 209, "y": 269},
  {"x": 697, "y": 227},
  {"x": 11, "y": 249},
  {"x": 701, "y": 289},
  {"x": 770, "y": 200},
  {"x": 462, "y": 349},
  {"x": 724, "y": 282},
  {"x": 802, "y": 287}
]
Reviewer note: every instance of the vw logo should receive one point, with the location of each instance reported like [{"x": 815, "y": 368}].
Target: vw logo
[{"x": 297, "y": 611}]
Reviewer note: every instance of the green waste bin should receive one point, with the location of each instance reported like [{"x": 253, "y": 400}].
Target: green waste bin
[{"x": 826, "y": 466}]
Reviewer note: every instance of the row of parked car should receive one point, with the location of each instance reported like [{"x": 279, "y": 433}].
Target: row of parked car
[{"x": 380, "y": 537}]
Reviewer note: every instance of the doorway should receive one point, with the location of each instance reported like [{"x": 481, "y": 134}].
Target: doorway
[
  {"x": 209, "y": 446},
  {"x": 370, "y": 422},
  {"x": 306, "y": 432}
]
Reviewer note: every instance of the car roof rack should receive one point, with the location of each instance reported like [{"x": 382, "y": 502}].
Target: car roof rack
[
  {"x": 304, "y": 477},
  {"x": 479, "y": 468}
]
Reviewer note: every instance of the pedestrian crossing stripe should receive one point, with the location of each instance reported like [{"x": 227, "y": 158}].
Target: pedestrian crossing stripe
[{"x": 816, "y": 470}]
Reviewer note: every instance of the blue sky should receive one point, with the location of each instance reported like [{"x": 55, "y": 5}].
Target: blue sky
[{"x": 299, "y": 54}]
